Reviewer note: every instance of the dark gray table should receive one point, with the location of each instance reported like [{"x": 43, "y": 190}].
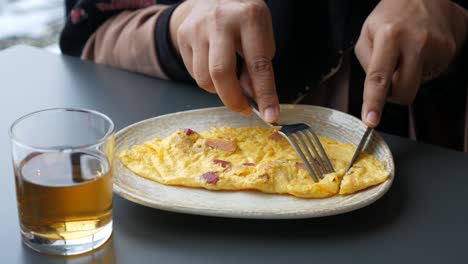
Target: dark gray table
[{"x": 422, "y": 219}]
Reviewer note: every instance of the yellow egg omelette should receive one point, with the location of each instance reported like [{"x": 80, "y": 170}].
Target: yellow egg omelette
[{"x": 248, "y": 158}]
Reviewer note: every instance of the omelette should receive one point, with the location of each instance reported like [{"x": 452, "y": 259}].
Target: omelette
[{"x": 248, "y": 158}]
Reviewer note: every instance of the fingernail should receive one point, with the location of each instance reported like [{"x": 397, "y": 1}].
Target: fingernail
[
  {"x": 270, "y": 114},
  {"x": 373, "y": 117}
]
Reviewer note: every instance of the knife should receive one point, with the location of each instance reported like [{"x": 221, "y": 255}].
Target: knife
[{"x": 359, "y": 148}]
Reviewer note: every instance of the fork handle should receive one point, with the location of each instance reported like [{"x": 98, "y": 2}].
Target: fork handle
[{"x": 256, "y": 110}]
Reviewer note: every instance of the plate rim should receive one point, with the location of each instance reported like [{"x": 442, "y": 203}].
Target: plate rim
[{"x": 144, "y": 200}]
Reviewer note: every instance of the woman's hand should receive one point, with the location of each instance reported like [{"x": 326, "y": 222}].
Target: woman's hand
[
  {"x": 403, "y": 42},
  {"x": 208, "y": 34}
]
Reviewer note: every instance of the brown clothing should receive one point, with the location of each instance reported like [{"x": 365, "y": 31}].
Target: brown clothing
[{"x": 126, "y": 41}]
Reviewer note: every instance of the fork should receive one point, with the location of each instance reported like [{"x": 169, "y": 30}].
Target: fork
[{"x": 303, "y": 138}]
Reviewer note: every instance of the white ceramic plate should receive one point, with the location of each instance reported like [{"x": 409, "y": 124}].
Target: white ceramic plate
[{"x": 325, "y": 121}]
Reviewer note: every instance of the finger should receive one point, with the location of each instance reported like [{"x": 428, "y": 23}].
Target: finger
[
  {"x": 363, "y": 49},
  {"x": 258, "y": 48},
  {"x": 407, "y": 78},
  {"x": 187, "y": 57},
  {"x": 461, "y": 20},
  {"x": 201, "y": 71},
  {"x": 246, "y": 82},
  {"x": 378, "y": 78},
  {"x": 222, "y": 68}
]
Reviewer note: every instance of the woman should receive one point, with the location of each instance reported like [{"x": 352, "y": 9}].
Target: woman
[{"x": 292, "y": 51}]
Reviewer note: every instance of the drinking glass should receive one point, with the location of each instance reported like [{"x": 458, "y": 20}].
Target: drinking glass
[{"x": 62, "y": 160}]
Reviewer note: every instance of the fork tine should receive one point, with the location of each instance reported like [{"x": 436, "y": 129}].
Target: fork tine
[
  {"x": 287, "y": 131},
  {"x": 312, "y": 161},
  {"x": 303, "y": 158},
  {"x": 317, "y": 160},
  {"x": 322, "y": 151}
]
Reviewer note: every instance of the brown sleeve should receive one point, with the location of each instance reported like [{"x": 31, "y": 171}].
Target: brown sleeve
[{"x": 127, "y": 41}]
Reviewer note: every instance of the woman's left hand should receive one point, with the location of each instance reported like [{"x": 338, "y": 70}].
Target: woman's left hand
[{"x": 403, "y": 42}]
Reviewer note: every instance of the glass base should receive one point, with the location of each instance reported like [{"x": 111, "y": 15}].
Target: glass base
[{"x": 67, "y": 247}]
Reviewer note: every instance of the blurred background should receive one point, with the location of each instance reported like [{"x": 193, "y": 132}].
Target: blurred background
[{"x": 33, "y": 22}]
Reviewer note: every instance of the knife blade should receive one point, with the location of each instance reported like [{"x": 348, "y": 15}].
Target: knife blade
[{"x": 360, "y": 147}]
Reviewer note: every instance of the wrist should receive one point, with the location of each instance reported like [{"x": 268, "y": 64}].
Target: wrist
[{"x": 169, "y": 59}]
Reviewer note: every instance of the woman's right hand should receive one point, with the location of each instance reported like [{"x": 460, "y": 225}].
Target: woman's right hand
[{"x": 208, "y": 34}]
